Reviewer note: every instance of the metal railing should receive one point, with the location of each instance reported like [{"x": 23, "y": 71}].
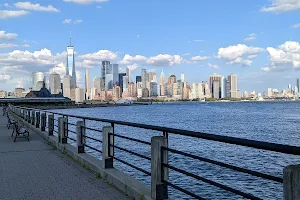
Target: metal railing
[{"x": 159, "y": 156}]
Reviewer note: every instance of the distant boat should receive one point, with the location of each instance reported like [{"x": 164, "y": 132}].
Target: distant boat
[{"x": 124, "y": 101}]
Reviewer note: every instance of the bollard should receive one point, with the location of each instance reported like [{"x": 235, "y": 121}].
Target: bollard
[
  {"x": 50, "y": 124},
  {"x": 291, "y": 182},
  {"x": 43, "y": 121},
  {"x": 32, "y": 117},
  {"x": 159, "y": 190},
  {"x": 80, "y": 130},
  {"x": 37, "y": 119},
  {"x": 62, "y": 130},
  {"x": 107, "y": 149}
]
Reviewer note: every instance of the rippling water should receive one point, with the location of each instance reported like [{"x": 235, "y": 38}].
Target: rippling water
[{"x": 265, "y": 121}]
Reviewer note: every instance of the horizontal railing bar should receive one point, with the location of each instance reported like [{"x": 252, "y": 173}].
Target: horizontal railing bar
[
  {"x": 182, "y": 190},
  {"x": 92, "y": 138},
  {"x": 224, "y": 187},
  {"x": 132, "y": 139},
  {"x": 247, "y": 171},
  {"x": 92, "y": 129},
  {"x": 71, "y": 131},
  {"x": 72, "y": 124},
  {"x": 131, "y": 152},
  {"x": 55, "y": 125},
  {"x": 287, "y": 149},
  {"x": 71, "y": 139},
  {"x": 92, "y": 148},
  {"x": 55, "y": 131},
  {"x": 130, "y": 165}
]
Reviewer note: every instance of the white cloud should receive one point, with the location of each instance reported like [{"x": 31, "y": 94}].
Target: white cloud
[
  {"x": 67, "y": 21},
  {"x": 7, "y": 36},
  {"x": 78, "y": 21},
  {"x": 5, "y": 14},
  {"x": 133, "y": 67},
  {"x": 252, "y": 56},
  {"x": 199, "y": 58},
  {"x": 7, "y": 45},
  {"x": 198, "y": 40},
  {"x": 36, "y": 7},
  {"x": 164, "y": 60},
  {"x": 4, "y": 77},
  {"x": 85, "y": 1},
  {"x": 296, "y": 25},
  {"x": 285, "y": 56},
  {"x": 279, "y": 6},
  {"x": 213, "y": 66},
  {"x": 250, "y": 37},
  {"x": 127, "y": 59},
  {"x": 98, "y": 7},
  {"x": 235, "y": 54},
  {"x": 91, "y": 59}
]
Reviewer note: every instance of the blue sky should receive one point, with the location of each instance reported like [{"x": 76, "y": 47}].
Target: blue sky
[{"x": 257, "y": 39}]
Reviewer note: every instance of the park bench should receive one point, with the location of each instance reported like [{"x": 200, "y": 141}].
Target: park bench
[
  {"x": 21, "y": 132},
  {"x": 10, "y": 122}
]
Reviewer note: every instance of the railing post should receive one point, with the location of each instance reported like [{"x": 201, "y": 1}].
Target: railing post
[
  {"x": 29, "y": 117},
  {"x": 50, "y": 124},
  {"x": 159, "y": 190},
  {"x": 107, "y": 149},
  {"x": 62, "y": 130},
  {"x": 37, "y": 119},
  {"x": 291, "y": 182},
  {"x": 32, "y": 117},
  {"x": 80, "y": 130},
  {"x": 43, "y": 121}
]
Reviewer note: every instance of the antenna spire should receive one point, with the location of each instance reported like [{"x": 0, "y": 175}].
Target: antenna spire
[{"x": 70, "y": 38}]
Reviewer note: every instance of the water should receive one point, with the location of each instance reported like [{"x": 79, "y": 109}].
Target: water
[{"x": 264, "y": 121}]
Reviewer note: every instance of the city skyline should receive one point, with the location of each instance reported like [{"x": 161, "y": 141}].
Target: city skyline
[{"x": 259, "y": 52}]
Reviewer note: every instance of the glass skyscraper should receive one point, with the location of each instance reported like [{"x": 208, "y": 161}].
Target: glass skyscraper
[
  {"x": 36, "y": 77},
  {"x": 71, "y": 64}
]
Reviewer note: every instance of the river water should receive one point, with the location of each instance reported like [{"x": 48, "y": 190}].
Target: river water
[{"x": 264, "y": 121}]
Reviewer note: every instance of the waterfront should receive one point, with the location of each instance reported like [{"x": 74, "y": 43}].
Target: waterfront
[{"x": 264, "y": 121}]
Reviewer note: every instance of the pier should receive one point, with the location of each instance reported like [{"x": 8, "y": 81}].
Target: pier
[{"x": 55, "y": 130}]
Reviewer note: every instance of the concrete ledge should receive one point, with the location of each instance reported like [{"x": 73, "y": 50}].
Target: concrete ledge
[{"x": 125, "y": 183}]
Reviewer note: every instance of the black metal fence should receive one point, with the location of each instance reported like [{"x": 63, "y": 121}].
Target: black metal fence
[{"x": 167, "y": 133}]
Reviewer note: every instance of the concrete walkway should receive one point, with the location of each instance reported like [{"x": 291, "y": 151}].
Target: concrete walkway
[{"x": 34, "y": 170}]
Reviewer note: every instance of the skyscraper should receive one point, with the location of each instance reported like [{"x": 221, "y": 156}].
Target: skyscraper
[
  {"x": 121, "y": 75},
  {"x": 55, "y": 83},
  {"x": 182, "y": 77},
  {"x": 298, "y": 85},
  {"x": 233, "y": 85},
  {"x": 97, "y": 83},
  {"x": 162, "y": 83},
  {"x": 115, "y": 68},
  {"x": 144, "y": 78},
  {"x": 138, "y": 79},
  {"x": 36, "y": 77},
  {"x": 215, "y": 84},
  {"x": 128, "y": 73},
  {"x": 105, "y": 66},
  {"x": 87, "y": 84},
  {"x": 71, "y": 63},
  {"x": 67, "y": 86}
]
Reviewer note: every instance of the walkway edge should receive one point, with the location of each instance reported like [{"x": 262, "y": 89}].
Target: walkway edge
[{"x": 125, "y": 183}]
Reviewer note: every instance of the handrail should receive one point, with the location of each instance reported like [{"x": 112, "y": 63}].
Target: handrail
[{"x": 281, "y": 148}]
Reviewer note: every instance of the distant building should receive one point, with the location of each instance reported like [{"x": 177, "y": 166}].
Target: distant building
[
  {"x": 3, "y": 94},
  {"x": 153, "y": 89},
  {"x": 121, "y": 75},
  {"x": 138, "y": 79},
  {"x": 98, "y": 84},
  {"x": 128, "y": 73},
  {"x": 18, "y": 92},
  {"x": 139, "y": 89},
  {"x": 162, "y": 83},
  {"x": 79, "y": 95},
  {"x": 270, "y": 92},
  {"x": 245, "y": 94},
  {"x": 131, "y": 90},
  {"x": 233, "y": 86},
  {"x": 145, "y": 93},
  {"x": 71, "y": 64},
  {"x": 116, "y": 93},
  {"x": 36, "y": 77},
  {"x": 67, "y": 86},
  {"x": 55, "y": 83},
  {"x": 87, "y": 85},
  {"x": 215, "y": 84},
  {"x": 197, "y": 91},
  {"x": 42, "y": 93},
  {"x": 125, "y": 82},
  {"x": 144, "y": 78}
]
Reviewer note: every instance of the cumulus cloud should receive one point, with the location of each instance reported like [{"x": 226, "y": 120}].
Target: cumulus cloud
[
  {"x": 250, "y": 37},
  {"x": 199, "y": 58},
  {"x": 133, "y": 67},
  {"x": 35, "y": 7},
  {"x": 213, "y": 66},
  {"x": 78, "y": 21},
  {"x": 7, "y": 36},
  {"x": 127, "y": 59},
  {"x": 85, "y": 1},
  {"x": 5, "y": 14},
  {"x": 279, "y": 6},
  {"x": 165, "y": 60},
  {"x": 285, "y": 56},
  {"x": 236, "y": 54},
  {"x": 4, "y": 77},
  {"x": 296, "y": 25},
  {"x": 67, "y": 21}
]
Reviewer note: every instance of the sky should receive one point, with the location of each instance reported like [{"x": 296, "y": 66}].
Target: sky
[{"x": 256, "y": 39}]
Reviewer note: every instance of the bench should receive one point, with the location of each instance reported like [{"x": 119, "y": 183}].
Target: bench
[
  {"x": 20, "y": 132},
  {"x": 10, "y": 122}
]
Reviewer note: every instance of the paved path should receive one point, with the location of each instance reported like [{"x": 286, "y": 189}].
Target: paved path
[{"x": 34, "y": 170}]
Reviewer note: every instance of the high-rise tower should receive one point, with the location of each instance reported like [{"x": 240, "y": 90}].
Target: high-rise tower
[{"x": 71, "y": 63}]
